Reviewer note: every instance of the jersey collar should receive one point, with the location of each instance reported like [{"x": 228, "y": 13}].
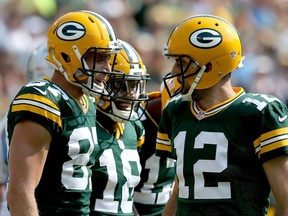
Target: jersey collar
[{"x": 201, "y": 114}]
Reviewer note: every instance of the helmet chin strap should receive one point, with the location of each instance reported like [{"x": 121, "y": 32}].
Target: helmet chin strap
[{"x": 187, "y": 96}]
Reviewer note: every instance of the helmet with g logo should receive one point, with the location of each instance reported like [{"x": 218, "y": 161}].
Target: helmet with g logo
[
  {"x": 71, "y": 38},
  {"x": 121, "y": 106},
  {"x": 210, "y": 45}
]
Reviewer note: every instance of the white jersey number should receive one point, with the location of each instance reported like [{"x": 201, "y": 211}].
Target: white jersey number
[
  {"x": 223, "y": 190},
  {"x": 107, "y": 204},
  {"x": 79, "y": 161}
]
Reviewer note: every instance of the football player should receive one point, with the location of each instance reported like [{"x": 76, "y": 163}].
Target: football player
[
  {"x": 158, "y": 173},
  {"x": 230, "y": 146},
  {"x": 36, "y": 69},
  {"x": 51, "y": 123},
  {"x": 119, "y": 131}
]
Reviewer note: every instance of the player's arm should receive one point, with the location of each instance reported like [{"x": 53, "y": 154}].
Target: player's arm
[
  {"x": 277, "y": 174},
  {"x": 171, "y": 205},
  {"x": 28, "y": 152}
]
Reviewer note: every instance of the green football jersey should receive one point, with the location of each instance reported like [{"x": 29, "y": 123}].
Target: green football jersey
[
  {"x": 158, "y": 173},
  {"x": 117, "y": 172},
  {"x": 220, "y": 152},
  {"x": 65, "y": 186}
]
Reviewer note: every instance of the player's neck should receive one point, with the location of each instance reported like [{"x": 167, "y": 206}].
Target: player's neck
[
  {"x": 217, "y": 94},
  {"x": 72, "y": 90}
]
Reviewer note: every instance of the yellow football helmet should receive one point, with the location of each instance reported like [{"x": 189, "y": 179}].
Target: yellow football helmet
[
  {"x": 210, "y": 45},
  {"x": 121, "y": 105},
  {"x": 71, "y": 38}
]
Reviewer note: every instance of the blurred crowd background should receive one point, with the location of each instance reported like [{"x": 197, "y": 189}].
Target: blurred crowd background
[{"x": 146, "y": 24}]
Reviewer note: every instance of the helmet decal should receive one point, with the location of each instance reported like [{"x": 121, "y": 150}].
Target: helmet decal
[
  {"x": 205, "y": 38},
  {"x": 71, "y": 31}
]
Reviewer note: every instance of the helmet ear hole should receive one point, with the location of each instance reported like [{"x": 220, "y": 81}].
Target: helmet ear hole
[
  {"x": 65, "y": 57},
  {"x": 208, "y": 67}
]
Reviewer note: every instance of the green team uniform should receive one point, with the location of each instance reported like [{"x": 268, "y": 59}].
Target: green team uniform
[
  {"x": 117, "y": 172},
  {"x": 158, "y": 173},
  {"x": 220, "y": 152},
  {"x": 65, "y": 186}
]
